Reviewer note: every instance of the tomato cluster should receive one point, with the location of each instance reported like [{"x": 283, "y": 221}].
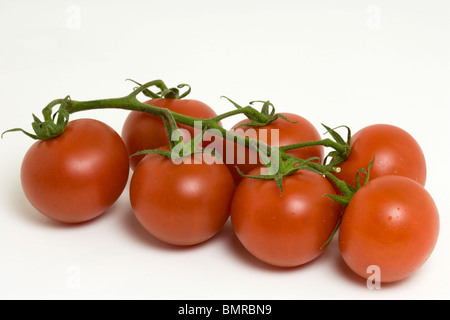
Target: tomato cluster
[{"x": 390, "y": 221}]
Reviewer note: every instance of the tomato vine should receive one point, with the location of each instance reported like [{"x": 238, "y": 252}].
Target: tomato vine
[{"x": 54, "y": 124}]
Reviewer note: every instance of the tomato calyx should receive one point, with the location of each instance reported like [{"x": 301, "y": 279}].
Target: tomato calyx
[
  {"x": 347, "y": 189},
  {"x": 165, "y": 92},
  {"x": 281, "y": 164},
  {"x": 177, "y": 148},
  {"x": 345, "y": 199},
  {"x": 341, "y": 155},
  {"x": 277, "y": 169},
  {"x": 49, "y": 128},
  {"x": 262, "y": 118}
]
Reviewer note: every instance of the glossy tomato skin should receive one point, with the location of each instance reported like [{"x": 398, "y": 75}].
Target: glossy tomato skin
[
  {"x": 181, "y": 204},
  {"x": 143, "y": 131},
  {"x": 75, "y": 177},
  {"x": 392, "y": 223},
  {"x": 284, "y": 230},
  {"x": 288, "y": 133},
  {"x": 396, "y": 153}
]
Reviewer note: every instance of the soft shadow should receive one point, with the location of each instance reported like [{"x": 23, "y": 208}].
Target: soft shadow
[
  {"x": 344, "y": 271},
  {"x": 142, "y": 236},
  {"x": 241, "y": 254},
  {"x": 23, "y": 209}
]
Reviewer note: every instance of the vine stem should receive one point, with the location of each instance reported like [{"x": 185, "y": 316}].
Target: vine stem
[
  {"x": 325, "y": 142},
  {"x": 131, "y": 103}
]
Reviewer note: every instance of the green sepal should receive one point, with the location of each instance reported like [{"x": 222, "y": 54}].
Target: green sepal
[
  {"x": 345, "y": 200},
  {"x": 255, "y": 120},
  {"x": 284, "y": 118},
  {"x": 192, "y": 146},
  {"x": 336, "y": 228},
  {"x": 32, "y": 136},
  {"x": 212, "y": 152},
  {"x": 174, "y": 93},
  {"x": 338, "y": 157},
  {"x": 337, "y": 137},
  {"x": 185, "y": 149},
  {"x": 285, "y": 169},
  {"x": 342, "y": 200},
  {"x": 48, "y": 129},
  {"x": 366, "y": 174},
  {"x": 263, "y": 118},
  {"x": 164, "y": 153},
  {"x": 254, "y": 176},
  {"x": 279, "y": 180},
  {"x": 164, "y": 91}
]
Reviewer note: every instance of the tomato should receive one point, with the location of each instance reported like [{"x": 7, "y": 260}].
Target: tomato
[
  {"x": 287, "y": 133},
  {"x": 392, "y": 223},
  {"x": 181, "y": 204},
  {"x": 284, "y": 230},
  {"x": 143, "y": 131},
  {"x": 77, "y": 176},
  {"x": 396, "y": 153}
]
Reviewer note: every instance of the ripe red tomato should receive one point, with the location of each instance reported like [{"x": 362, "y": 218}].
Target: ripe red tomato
[
  {"x": 284, "y": 230},
  {"x": 392, "y": 223},
  {"x": 246, "y": 160},
  {"x": 396, "y": 153},
  {"x": 181, "y": 204},
  {"x": 143, "y": 131},
  {"x": 77, "y": 176}
]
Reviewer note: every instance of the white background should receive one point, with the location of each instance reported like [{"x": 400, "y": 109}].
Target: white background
[{"x": 335, "y": 62}]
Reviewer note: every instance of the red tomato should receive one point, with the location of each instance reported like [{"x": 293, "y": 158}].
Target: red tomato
[
  {"x": 392, "y": 223},
  {"x": 396, "y": 153},
  {"x": 284, "y": 230},
  {"x": 78, "y": 175},
  {"x": 181, "y": 204},
  {"x": 288, "y": 133},
  {"x": 143, "y": 131}
]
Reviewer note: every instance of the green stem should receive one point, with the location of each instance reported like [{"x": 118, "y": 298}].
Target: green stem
[
  {"x": 248, "y": 111},
  {"x": 339, "y": 183},
  {"x": 325, "y": 142},
  {"x": 131, "y": 103},
  {"x": 126, "y": 103}
]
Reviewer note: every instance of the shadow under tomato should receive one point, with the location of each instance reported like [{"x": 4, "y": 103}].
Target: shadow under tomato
[
  {"x": 342, "y": 270},
  {"x": 24, "y": 210},
  {"x": 239, "y": 252},
  {"x": 139, "y": 234}
]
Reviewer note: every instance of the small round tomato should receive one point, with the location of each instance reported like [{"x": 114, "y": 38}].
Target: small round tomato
[
  {"x": 391, "y": 223},
  {"x": 181, "y": 203},
  {"x": 286, "y": 229},
  {"x": 280, "y": 132},
  {"x": 396, "y": 153},
  {"x": 77, "y": 176},
  {"x": 143, "y": 131}
]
